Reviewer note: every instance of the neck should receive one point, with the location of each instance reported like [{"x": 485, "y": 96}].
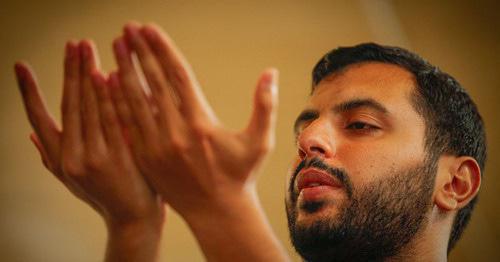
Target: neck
[{"x": 431, "y": 242}]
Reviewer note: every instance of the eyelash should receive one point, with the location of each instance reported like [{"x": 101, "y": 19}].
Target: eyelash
[{"x": 365, "y": 126}]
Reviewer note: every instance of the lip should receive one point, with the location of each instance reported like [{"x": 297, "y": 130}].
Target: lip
[{"x": 311, "y": 177}]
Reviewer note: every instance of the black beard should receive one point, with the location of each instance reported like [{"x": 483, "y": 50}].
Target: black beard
[{"x": 374, "y": 223}]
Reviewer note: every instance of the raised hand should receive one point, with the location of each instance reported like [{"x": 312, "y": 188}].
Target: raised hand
[
  {"x": 90, "y": 157},
  {"x": 203, "y": 170}
]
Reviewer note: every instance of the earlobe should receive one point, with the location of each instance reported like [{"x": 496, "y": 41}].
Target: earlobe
[{"x": 459, "y": 185}]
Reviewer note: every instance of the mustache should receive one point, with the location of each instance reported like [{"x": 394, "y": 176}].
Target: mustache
[{"x": 339, "y": 173}]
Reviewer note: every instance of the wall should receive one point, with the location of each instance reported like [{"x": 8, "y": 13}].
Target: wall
[{"x": 228, "y": 43}]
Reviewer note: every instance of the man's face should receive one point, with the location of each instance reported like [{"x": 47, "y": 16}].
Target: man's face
[{"x": 361, "y": 184}]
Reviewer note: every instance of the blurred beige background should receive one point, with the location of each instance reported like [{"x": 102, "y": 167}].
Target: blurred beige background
[{"x": 228, "y": 43}]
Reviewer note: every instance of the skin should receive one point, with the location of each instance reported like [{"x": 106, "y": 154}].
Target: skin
[
  {"x": 335, "y": 137},
  {"x": 118, "y": 146},
  {"x": 206, "y": 172},
  {"x": 90, "y": 157},
  {"x": 170, "y": 142},
  {"x": 368, "y": 143}
]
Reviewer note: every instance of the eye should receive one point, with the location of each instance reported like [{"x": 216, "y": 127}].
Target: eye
[{"x": 360, "y": 126}]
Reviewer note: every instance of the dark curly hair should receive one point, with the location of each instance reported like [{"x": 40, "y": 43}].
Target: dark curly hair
[{"x": 453, "y": 123}]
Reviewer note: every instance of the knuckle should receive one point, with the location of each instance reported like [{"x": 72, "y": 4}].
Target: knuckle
[
  {"x": 180, "y": 76},
  {"x": 109, "y": 119},
  {"x": 262, "y": 150},
  {"x": 72, "y": 168},
  {"x": 94, "y": 162},
  {"x": 124, "y": 114},
  {"x": 136, "y": 101},
  {"x": 178, "y": 145},
  {"x": 156, "y": 154},
  {"x": 266, "y": 105},
  {"x": 153, "y": 159},
  {"x": 159, "y": 85},
  {"x": 199, "y": 129},
  {"x": 143, "y": 163},
  {"x": 118, "y": 97}
]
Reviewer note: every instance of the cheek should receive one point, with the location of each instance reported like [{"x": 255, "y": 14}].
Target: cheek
[
  {"x": 362, "y": 163},
  {"x": 366, "y": 162}
]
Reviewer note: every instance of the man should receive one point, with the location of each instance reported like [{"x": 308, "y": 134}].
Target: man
[
  {"x": 389, "y": 159},
  {"x": 390, "y": 153}
]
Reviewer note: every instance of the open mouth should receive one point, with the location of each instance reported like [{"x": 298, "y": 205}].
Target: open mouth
[
  {"x": 316, "y": 185},
  {"x": 312, "y": 177}
]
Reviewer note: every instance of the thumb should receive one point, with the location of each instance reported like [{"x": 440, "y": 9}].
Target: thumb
[{"x": 262, "y": 123}]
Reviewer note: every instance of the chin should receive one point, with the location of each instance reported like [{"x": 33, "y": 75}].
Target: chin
[{"x": 310, "y": 212}]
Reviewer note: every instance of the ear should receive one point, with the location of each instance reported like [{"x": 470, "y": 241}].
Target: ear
[{"x": 458, "y": 182}]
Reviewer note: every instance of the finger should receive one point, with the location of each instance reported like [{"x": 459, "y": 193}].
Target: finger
[
  {"x": 133, "y": 93},
  {"x": 72, "y": 145},
  {"x": 192, "y": 101},
  {"x": 43, "y": 153},
  {"x": 262, "y": 122},
  {"x": 92, "y": 132},
  {"x": 168, "y": 112},
  {"x": 41, "y": 120},
  {"x": 107, "y": 113},
  {"x": 130, "y": 131},
  {"x": 50, "y": 166}
]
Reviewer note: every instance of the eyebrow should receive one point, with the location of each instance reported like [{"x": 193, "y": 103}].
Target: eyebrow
[
  {"x": 310, "y": 114},
  {"x": 357, "y": 103}
]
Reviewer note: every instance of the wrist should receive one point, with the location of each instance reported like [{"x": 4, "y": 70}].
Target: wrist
[
  {"x": 235, "y": 229},
  {"x": 136, "y": 228},
  {"x": 137, "y": 240},
  {"x": 222, "y": 207}
]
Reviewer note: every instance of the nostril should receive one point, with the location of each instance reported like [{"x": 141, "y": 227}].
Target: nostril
[{"x": 318, "y": 150}]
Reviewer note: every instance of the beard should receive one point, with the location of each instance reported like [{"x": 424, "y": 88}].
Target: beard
[{"x": 374, "y": 222}]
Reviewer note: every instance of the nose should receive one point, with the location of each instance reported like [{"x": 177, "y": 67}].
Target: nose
[{"x": 316, "y": 140}]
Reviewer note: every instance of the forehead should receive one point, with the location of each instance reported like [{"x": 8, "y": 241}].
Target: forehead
[{"x": 385, "y": 83}]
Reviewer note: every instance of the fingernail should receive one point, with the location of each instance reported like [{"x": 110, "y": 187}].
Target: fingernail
[
  {"x": 119, "y": 47},
  {"x": 132, "y": 32},
  {"x": 148, "y": 33},
  {"x": 272, "y": 81},
  {"x": 274, "y": 88},
  {"x": 85, "y": 49},
  {"x": 276, "y": 74}
]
